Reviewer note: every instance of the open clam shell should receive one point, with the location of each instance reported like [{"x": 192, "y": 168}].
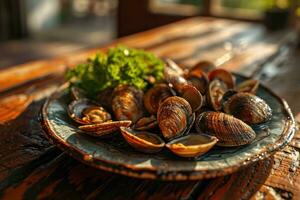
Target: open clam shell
[
  {"x": 143, "y": 141},
  {"x": 193, "y": 96},
  {"x": 224, "y": 76},
  {"x": 229, "y": 130},
  {"x": 248, "y": 108},
  {"x": 192, "y": 145},
  {"x": 77, "y": 109},
  {"x": 215, "y": 93},
  {"x": 155, "y": 95},
  {"x": 250, "y": 86},
  {"x": 205, "y": 66},
  {"x": 104, "y": 128},
  {"x": 145, "y": 123},
  {"x": 199, "y": 79}
]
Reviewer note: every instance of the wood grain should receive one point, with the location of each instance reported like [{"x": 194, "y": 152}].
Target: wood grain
[{"x": 31, "y": 168}]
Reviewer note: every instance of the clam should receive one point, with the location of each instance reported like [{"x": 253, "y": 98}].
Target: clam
[
  {"x": 205, "y": 66},
  {"x": 145, "y": 123},
  {"x": 143, "y": 141},
  {"x": 77, "y": 93},
  {"x": 154, "y": 96},
  {"x": 224, "y": 76},
  {"x": 192, "y": 95},
  {"x": 172, "y": 66},
  {"x": 174, "y": 75},
  {"x": 104, "y": 128},
  {"x": 192, "y": 145},
  {"x": 127, "y": 103},
  {"x": 250, "y": 86},
  {"x": 216, "y": 90},
  {"x": 174, "y": 117},
  {"x": 248, "y": 107},
  {"x": 85, "y": 111},
  {"x": 199, "y": 79},
  {"x": 229, "y": 130}
]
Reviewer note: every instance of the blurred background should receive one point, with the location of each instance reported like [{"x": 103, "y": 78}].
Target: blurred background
[{"x": 36, "y": 29}]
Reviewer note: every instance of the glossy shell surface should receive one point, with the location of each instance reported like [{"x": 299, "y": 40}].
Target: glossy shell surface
[
  {"x": 192, "y": 145},
  {"x": 115, "y": 155},
  {"x": 143, "y": 141},
  {"x": 248, "y": 107}
]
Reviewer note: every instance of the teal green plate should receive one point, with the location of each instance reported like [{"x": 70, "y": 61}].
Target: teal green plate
[{"x": 113, "y": 153}]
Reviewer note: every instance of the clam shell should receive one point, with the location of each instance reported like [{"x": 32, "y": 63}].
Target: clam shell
[
  {"x": 145, "y": 123},
  {"x": 174, "y": 117},
  {"x": 205, "y": 66},
  {"x": 199, "y": 79},
  {"x": 224, "y": 76},
  {"x": 77, "y": 93},
  {"x": 250, "y": 86},
  {"x": 229, "y": 130},
  {"x": 77, "y": 107},
  {"x": 104, "y": 128},
  {"x": 192, "y": 145},
  {"x": 127, "y": 103},
  {"x": 154, "y": 96},
  {"x": 193, "y": 96},
  {"x": 248, "y": 108},
  {"x": 143, "y": 141},
  {"x": 215, "y": 93}
]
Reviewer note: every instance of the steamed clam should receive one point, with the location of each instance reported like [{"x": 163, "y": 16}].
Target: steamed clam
[
  {"x": 229, "y": 130},
  {"x": 215, "y": 93},
  {"x": 192, "y": 95},
  {"x": 146, "y": 123},
  {"x": 174, "y": 117},
  {"x": 127, "y": 103},
  {"x": 222, "y": 75},
  {"x": 85, "y": 111},
  {"x": 248, "y": 107},
  {"x": 155, "y": 95},
  {"x": 205, "y": 66},
  {"x": 250, "y": 86},
  {"x": 192, "y": 145},
  {"x": 143, "y": 141},
  {"x": 199, "y": 79}
]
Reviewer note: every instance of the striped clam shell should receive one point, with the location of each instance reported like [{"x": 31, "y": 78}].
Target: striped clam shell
[{"x": 229, "y": 130}]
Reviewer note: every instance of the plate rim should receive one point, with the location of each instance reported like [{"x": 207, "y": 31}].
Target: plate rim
[{"x": 152, "y": 173}]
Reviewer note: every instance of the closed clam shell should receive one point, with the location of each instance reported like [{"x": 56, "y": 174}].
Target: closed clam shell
[
  {"x": 143, "y": 141},
  {"x": 127, "y": 103},
  {"x": 223, "y": 75},
  {"x": 154, "y": 96},
  {"x": 248, "y": 108},
  {"x": 215, "y": 93},
  {"x": 229, "y": 130},
  {"x": 77, "y": 109},
  {"x": 174, "y": 117},
  {"x": 104, "y": 128},
  {"x": 192, "y": 145},
  {"x": 250, "y": 86}
]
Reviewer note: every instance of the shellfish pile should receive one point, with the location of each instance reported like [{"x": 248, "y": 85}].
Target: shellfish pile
[{"x": 188, "y": 112}]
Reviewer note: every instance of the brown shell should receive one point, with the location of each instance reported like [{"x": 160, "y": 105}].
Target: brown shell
[
  {"x": 199, "y": 79},
  {"x": 205, "y": 66},
  {"x": 193, "y": 96},
  {"x": 77, "y": 108},
  {"x": 174, "y": 117},
  {"x": 215, "y": 93},
  {"x": 127, "y": 103},
  {"x": 154, "y": 96},
  {"x": 224, "y": 76},
  {"x": 146, "y": 123},
  {"x": 105, "y": 98},
  {"x": 249, "y": 85},
  {"x": 104, "y": 128},
  {"x": 229, "y": 130},
  {"x": 248, "y": 108},
  {"x": 143, "y": 141},
  {"x": 192, "y": 145}
]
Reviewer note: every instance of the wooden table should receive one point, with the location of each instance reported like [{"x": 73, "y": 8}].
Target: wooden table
[{"x": 31, "y": 167}]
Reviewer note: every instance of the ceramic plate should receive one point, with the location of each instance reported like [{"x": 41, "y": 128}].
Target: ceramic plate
[{"x": 113, "y": 154}]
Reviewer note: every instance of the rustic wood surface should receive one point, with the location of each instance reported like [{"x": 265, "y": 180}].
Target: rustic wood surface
[{"x": 32, "y": 168}]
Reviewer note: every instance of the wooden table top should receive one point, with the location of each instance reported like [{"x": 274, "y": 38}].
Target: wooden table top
[{"x": 31, "y": 167}]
